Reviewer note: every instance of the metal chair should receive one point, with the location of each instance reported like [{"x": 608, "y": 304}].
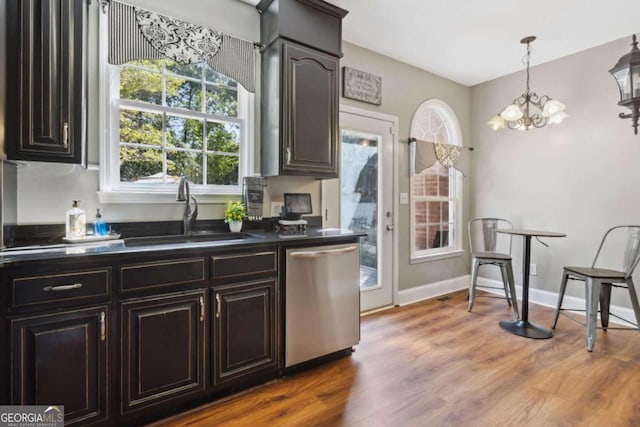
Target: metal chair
[
  {"x": 620, "y": 243},
  {"x": 483, "y": 232}
]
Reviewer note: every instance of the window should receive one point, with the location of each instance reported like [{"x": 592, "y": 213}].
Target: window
[
  {"x": 166, "y": 120},
  {"x": 436, "y": 192}
]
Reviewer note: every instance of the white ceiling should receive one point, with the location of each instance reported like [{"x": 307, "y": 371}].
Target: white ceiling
[{"x": 473, "y": 41}]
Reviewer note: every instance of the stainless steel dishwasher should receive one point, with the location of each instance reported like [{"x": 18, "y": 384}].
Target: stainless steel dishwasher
[{"x": 322, "y": 301}]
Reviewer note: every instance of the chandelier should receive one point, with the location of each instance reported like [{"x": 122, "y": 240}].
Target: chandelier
[{"x": 529, "y": 110}]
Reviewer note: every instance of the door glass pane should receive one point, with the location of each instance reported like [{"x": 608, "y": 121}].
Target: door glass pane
[{"x": 359, "y": 198}]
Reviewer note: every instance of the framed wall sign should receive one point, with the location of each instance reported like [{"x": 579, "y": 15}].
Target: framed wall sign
[{"x": 361, "y": 86}]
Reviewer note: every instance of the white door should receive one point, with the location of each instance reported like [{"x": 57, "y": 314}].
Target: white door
[{"x": 362, "y": 199}]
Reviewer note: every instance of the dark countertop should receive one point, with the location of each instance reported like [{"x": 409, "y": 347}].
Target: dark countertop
[{"x": 217, "y": 241}]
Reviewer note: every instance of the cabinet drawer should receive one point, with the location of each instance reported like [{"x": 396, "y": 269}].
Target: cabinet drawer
[
  {"x": 161, "y": 273},
  {"x": 230, "y": 266},
  {"x": 60, "y": 287}
]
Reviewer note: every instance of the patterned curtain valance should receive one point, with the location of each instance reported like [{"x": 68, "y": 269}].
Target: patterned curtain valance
[
  {"x": 424, "y": 154},
  {"x": 136, "y": 33}
]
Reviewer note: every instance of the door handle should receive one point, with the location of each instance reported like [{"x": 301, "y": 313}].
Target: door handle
[
  {"x": 389, "y": 227},
  {"x": 60, "y": 288},
  {"x": 65, "y": 135},
  {"x": 201, "y": 299},
  {"x": 103, "y": 326},
  {"x": 218, "y": 306},
  {"x": 316, "y": 254}
]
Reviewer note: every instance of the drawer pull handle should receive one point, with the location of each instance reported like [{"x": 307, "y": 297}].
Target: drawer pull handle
[
  {"x": 218, "y": 304},
  {"x": 103, "y": 326},
  {"x": 65, "y": 135},
  {"x": 201, "y": 308},
  {"x": 60, "y": 288},
  {"x": 326, "y": 252}
]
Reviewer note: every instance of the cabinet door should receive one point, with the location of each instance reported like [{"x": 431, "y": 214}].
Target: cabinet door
[
  {"x": 61, "y": 359},
  {"x": 162, "y": 349},
  {"x": 45, "y": 75},
  {"x": 244, "y": 333},
  {"x": 310, "y": 108}
]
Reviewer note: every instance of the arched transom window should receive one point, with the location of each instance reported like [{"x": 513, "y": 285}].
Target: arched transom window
[{"x": 436, "y": 192}]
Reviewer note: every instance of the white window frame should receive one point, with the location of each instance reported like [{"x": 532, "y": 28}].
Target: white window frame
[
  {"x": 453, "y": 129},
  {"x": 112, "y": 190}
]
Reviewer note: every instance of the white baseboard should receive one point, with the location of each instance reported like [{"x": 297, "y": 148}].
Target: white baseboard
[
  {"x": 550, "y": 299},
  {"x": 536, "y": 296},
  {"x": 432, "y": 290}
]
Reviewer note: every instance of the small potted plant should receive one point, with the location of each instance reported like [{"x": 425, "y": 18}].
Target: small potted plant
[{"x": 234, "y": 214}]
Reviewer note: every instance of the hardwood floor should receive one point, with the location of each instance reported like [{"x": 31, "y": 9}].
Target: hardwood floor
[{"x": 434, "y": 364}]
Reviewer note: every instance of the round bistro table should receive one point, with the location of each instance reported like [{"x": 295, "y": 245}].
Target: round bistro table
[{"x": 522, "y": 327}]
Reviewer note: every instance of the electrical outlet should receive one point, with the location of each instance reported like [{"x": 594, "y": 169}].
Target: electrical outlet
[
  {"x": 276, "y": 209},
  {"x": 533, "y": 270},
  {"x": 404, "y": 198}
]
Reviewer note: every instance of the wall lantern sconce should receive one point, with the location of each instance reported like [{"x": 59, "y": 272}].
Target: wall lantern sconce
[
  {"x": 627, "y": 75},
  {"x": 529, "y": 110}
]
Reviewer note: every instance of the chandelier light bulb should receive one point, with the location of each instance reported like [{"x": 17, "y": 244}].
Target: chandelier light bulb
[
  {"x": 558, "y": 118},
  {"x": 551, "y": 107},
  {"x": 512, "y": 112},
  {"x": 496, "y": 122}
]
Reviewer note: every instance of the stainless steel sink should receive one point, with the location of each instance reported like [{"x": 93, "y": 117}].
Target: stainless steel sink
[{"x": 186, "y": 238}]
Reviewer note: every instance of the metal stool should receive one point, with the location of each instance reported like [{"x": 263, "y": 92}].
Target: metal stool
[
  {"x": 483, "y": 231},
  {"x": 599, "y": 281}
]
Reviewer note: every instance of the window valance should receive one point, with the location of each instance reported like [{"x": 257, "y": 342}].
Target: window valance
[
  {"x": 424, "y": 154},
  {"x": 136, "y": 33}
]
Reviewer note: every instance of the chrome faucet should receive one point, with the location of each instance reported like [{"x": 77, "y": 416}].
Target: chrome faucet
[{"x": 189, "y": 217}]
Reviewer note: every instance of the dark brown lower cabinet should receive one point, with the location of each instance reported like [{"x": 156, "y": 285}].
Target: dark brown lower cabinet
[
  {"x": 61, "y": 359},
  {"x": 244, "y": 335},
  {"x": 162, "y": 347}
]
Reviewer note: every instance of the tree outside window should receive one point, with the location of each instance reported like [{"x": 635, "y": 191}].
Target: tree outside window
[{"x": 178, "y": 120}]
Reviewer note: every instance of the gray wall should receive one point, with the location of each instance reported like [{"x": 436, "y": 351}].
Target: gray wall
[
  {"x": 404, "y": 88},
  {"x": 46, "y": 190},
  {"x": 579, "y": 177}
]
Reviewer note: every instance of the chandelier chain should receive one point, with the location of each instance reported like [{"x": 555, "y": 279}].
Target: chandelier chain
[{"x": 526, "y": 61}]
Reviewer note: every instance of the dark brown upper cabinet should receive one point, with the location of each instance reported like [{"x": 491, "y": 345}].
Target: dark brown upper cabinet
[
  {"x": 45, "y": 112},
  {"x": 300, "y": 80}
]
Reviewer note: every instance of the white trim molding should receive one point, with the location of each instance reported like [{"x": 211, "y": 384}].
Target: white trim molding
[
  {"x": 550, "y": 299},
  {"x": 432, "y": 290},
  {"x": 136, "y": 197},
  {"x": 536, "y": 296}
]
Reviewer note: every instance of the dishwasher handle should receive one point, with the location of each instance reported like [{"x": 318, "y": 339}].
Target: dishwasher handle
[{"x": 321, "y": 253}]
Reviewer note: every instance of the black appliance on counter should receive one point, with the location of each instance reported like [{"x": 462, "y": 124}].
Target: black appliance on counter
[{"x": 295, "y": 205}]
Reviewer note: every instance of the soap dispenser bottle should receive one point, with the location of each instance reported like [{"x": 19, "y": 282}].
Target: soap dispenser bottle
[
  {"x": 99, "y": 226},
  {"x": 76, "y": 223}
]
